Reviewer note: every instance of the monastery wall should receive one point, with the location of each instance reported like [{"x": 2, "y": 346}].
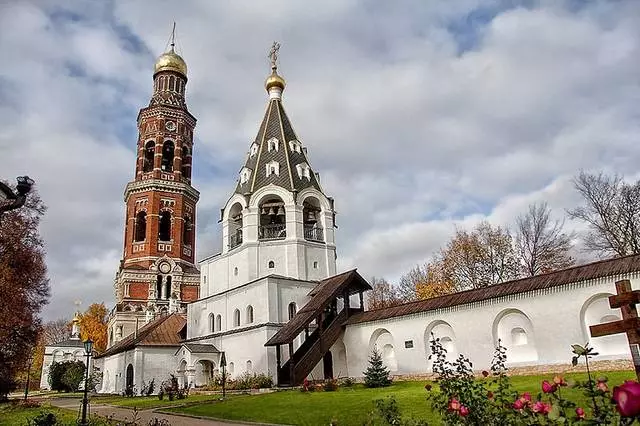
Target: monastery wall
[{"x": 537, "y": 328}]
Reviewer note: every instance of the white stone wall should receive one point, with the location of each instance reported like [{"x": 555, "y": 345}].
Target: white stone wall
[
  {"x": 59, "y": 354},
  {"x": 537, "y": 328},
  {"x": 148, "y": 363}
]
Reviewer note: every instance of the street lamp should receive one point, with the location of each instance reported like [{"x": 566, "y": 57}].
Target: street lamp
[
  {"x": 26, "y": 388},
  {"x": 10, "y": 200},
  {"x": 88, "y": 346},
  {"x": 223, "y": 364}
]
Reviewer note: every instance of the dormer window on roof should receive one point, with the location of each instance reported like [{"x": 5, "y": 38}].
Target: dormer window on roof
[
  {"x": 273, "y": 144},
  {"x": 295, "y": 146},
  {"x": 304, "y": 171},
  {"x": 273, "y": 168},
  {"x": 253, "y": 150},
  {"x": 245, "y": 175}
]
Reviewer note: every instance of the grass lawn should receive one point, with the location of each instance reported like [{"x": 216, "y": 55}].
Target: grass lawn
[
  {"x": 144, "y": 402},
  {"x": 16, "y": 415},
  {"x": 353, "y": 406}
]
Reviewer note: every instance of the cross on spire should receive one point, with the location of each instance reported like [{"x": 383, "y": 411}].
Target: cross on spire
[
  {"x": 273, "y": 55},
  {"x": 173, "y": 36}
]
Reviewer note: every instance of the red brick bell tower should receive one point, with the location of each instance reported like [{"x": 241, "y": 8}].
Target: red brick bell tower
[{"x": 157, "y": 274}]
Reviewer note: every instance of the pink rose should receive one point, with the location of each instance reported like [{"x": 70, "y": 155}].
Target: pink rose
[
  {"x": 464, "y": 411},
  {"x": 454, "y": 405},
  {"x": 580, "y": 413},
  {"x": 602, "y": 386},
  {"x": 541, "y": 407},
  {"x": 527, "y": 396},
  {"x": 627, "y": 398},
  {"x": 548, "y": 387},
  {"x": 559, "y": 380},
  {"x": 519, "y": 404}
]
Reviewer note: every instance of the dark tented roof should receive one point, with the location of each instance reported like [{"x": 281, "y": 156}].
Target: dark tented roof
[
  {"x": 201, "y": 348},
  {"x": 321, "y": 296},
  {"x": 276, "y": 124},
  {"x": 604, "y": 268},
  {"x": 162, "y": 331}
]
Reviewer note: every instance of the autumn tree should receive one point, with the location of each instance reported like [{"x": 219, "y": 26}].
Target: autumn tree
[
  {"x": 382, "y": 295},
  {"x": 611, "y": 210},
  {"x": 93, "y": 325},
  {"x": 477, "y": 259},
  {"x": 541, "y": 244},
  {"x": 425, "y": 281},
  {"x": 23, "y": 285}
]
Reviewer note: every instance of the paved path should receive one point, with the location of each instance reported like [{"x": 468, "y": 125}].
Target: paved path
[{"x": 126, "y": 414}]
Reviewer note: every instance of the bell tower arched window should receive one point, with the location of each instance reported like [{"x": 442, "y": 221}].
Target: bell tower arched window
[
  {"x": 140, "y": 233},
  {"x": 167, "y": 156},
  {"x": 186, "y": 163},
  {"x": 235, "y": 226},
  {"x": 272, "y": 220},
  {"x": 164, "y": 233},
  {"x": 167, "y": 284},
  {"x": 187, "y": 232},
  {"x": 149, "y": 153}
]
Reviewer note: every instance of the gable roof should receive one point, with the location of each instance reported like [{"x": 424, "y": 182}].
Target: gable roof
[
  {"x": 600, "y": 269},
  {"x": 199, "y": 348},
  {"x": 162, "y": 331},
  {"x": 321, "y": 296},
  {"x": 276, "y": 124}
]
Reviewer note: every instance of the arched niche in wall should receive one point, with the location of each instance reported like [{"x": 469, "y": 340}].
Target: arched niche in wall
[
  {"x": 383, "y": 341},
  {"x": 515, "y": 331},
  {"x": 596, "y": 310},
  {"x": 339, "y": 352},
  {"x": 440, "y": 330}
]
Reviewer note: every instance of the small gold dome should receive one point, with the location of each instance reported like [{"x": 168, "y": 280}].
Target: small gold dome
[
  {"x": 171, "y": 61},
  {"x": 274, "y": 80}
]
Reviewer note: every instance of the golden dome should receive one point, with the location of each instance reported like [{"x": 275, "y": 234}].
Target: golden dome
[
  {"x": 274, "y": 80},
  {"x": 171, "y": 61}
]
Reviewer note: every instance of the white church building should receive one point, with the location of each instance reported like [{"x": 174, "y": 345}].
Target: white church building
[{"x": 273, "y": 302}]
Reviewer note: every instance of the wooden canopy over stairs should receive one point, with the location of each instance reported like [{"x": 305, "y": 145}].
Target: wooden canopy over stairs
[{"x": 322, "y": 314}]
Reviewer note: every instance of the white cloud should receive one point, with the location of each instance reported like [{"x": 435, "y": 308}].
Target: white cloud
[{"x": 411, "y": 133}]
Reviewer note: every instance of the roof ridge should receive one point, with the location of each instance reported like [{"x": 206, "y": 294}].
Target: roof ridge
[{"x": 284, "y": 146}]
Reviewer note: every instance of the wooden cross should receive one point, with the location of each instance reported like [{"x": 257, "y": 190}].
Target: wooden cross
[{"x": 626, "y": 300}]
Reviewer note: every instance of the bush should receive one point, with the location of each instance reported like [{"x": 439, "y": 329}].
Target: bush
[
  {"x": 66, "y": 376},
  {"x": 330, "y": 385},
  {"x": 376, "y": 375},
  {"x": 147, "y": 389},
  {"x": 347, "y": 382}
]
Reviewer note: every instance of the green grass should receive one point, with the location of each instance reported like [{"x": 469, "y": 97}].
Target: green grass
[
  {"x": 352, "y": 406},
  {"x": 17, "y": 415},
  {"x": 145, "y": 402}
]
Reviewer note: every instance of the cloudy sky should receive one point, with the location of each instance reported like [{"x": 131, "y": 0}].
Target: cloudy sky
[{"x": 420, "y": 116}]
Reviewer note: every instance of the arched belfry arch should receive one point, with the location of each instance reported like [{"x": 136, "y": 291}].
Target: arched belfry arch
[
  {"x": 265, "y": 192},
  {"x": 235, "y": 199},
  {"x": 312, "y": 192}
]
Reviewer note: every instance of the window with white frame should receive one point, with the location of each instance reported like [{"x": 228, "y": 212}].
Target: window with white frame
[
  {"x": 253, "y": 150},
  {"x": 273, "y": 144},
  {"x": 273, "y": 168},
  {"x": 304, "y": 171},
  {"x": 295, "y": 146},
  {"x": 245, "y": 174}
]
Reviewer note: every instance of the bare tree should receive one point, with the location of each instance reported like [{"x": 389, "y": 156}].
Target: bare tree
[
  {"x": 383, "y": 294},
  {"x": 612, "y": 212},
  {"x": 407, "y": 287},
  {"x": 56, "y": 331},
  {"x": 541, "y": 244}
]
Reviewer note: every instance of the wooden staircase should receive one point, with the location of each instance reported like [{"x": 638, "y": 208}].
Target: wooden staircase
[{"x": 314, "y": 348}]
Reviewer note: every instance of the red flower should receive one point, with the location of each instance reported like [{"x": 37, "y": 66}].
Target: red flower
[
  {"x": 580, "y": 413},
  {"x": 559, "y": 380},
  {"x": 526, "y": 396},
  {"x": 548, "y": 387},
  {"x": 464, "y": 411},
  {"x": 541, "y": 407},
  {"x": 627, "y": 398},
  {"x": 519, "y": 404},
  {"x": 602, "y": 386},
  {"x": 454, "y": 405},
  {"x": 485, "y": 373}
]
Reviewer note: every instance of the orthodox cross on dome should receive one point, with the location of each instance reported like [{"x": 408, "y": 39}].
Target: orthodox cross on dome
[
  {"x": 626, "y": 301},
  {"x": 273, "y": 55},
  {"x": 173, "y": 37}
]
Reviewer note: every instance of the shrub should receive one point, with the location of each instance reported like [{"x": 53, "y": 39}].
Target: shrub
[
  {"x": 330, "y": 385},
  {"x": 347, "y": 382},
  {"x": 377, "y": 374},
  {"x": 43, "y": 419},
  {"x": 66, "y": 376}
]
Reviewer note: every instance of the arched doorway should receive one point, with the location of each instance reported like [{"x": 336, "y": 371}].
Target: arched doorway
[
  {"x": 327, "y": 363},
  {"x": 129, "y": 378}
]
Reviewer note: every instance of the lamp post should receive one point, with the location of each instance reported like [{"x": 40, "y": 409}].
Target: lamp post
[
  {"x": 10, "y": 200},
  {"x": 26, "y": 388},
  {"x": 88, "y": 346},
  {"x": 223, "y": 364}
]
